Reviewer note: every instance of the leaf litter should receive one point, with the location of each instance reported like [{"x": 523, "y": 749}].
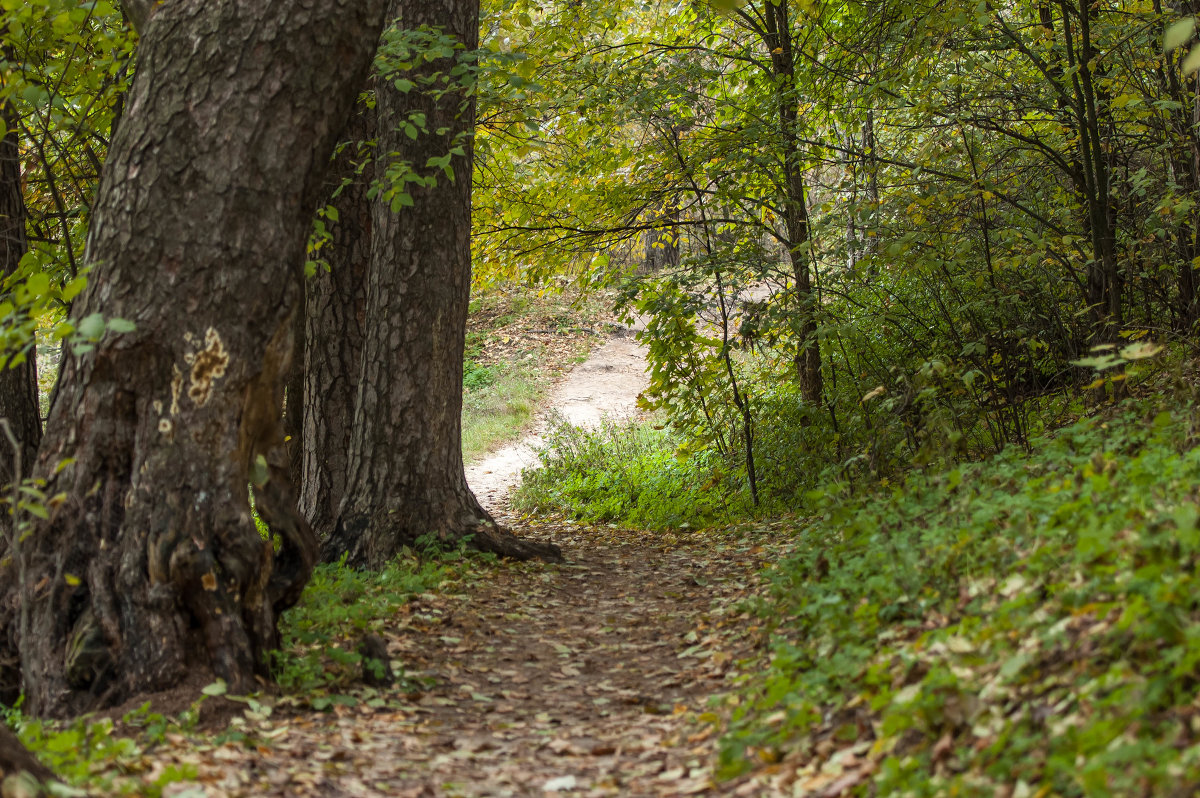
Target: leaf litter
[{"x": 592, "y": 678}]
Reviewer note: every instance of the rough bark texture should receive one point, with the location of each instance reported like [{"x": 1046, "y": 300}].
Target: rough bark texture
[
  {"x": 406, "y": 477},
  {"x": 293, "y": 398},
  {"x": 18, "y": 384},
  {"x": 336, "y": 307},
  {"x": 152, "y": 568}
]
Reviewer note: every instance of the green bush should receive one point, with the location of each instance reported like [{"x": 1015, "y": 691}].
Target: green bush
[
  {"x": 628, "y": 472},
  {"x": 319, "y": 636},
  {"x": 1033, "y": 620}
]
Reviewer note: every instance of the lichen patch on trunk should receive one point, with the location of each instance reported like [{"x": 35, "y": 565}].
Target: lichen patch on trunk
[{"x": 208, "y": 365}]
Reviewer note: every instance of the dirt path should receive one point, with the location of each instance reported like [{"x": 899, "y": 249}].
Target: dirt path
[
  {"x": 590, "y": 678},
  {"x": 607, "y": 384}
]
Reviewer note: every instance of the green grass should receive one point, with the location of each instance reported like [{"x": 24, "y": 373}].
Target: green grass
[
  {"x": 629, "y": 472},
  {"x": 317, "y": 656},
  {"x": 1029, "y": 624},
  {"x": 501, "y": 409},
  {"x": 502, "y": 391}
]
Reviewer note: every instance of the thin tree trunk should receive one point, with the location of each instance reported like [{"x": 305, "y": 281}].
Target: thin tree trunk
[
  {"x": 151, "y": 569},
  {"x": 334, "y": 332},
  {"x": 808, "y": 356},
  {"x": 406, "y": 477},
  {"x": 18, "y": 384}
]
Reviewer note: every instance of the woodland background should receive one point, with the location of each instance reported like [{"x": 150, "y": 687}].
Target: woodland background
[{"x": 919, "y": 279}]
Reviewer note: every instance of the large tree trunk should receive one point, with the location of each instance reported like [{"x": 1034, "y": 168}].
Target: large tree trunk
[
  {"x": 151, "y": 568},
  {"x": 18, "y": 384},
  {"x": 406, "y": 476},
  {"x": 334, "y": 331}
]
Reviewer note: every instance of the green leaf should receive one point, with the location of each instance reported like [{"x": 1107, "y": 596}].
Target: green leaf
[
  {"x": 91, "y": 327},
  {"x": 1178, "y": 34},
  {"x": 72, "y": 289},
  {"x": 38, "y": 284},
  {"x": 121, "y": 325},
  {"x": 1192, "y": 62},
  {"x": 217, "y": 688}
]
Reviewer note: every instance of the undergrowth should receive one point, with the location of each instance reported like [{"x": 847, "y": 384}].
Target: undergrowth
[
  {"x": 319, "y": 635},
  {"x": 624, "y": 471},
  {"x": 1025, "y": 626},
  {"x": 317, "y": 666}
]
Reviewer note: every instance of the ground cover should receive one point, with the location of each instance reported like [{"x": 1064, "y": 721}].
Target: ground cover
[
  {"x": 1021, "y": 626},
  {"x": 1024, "y": 626}
]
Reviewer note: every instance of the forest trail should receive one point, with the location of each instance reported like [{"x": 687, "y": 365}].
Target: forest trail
[
  {"x": 606, "y": 384},
  {"x": 590, "y": 678}
]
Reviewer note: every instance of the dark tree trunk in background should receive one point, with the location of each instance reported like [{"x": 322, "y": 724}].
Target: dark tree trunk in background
[
  {"x": 778, "y": 40},
  {"x": 18, "y": 384},
  {"x": 152, "y": 569},
  {"x": 662, "y": 245},
  {"x": 336, "y": 305},
  {"x": 406, "y": 475}
]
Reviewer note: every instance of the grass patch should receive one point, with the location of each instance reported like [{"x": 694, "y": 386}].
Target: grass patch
[
  {"x": 1025, "y": 626},
  {"x": 319, "y": 636},
  {"x": 517, "y": 343},
  {"x": 499, "y": 410},
  {"x": 626, "y": 471}
]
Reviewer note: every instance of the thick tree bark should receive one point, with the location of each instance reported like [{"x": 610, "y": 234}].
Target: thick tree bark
[
  {"x": 152, "y": 568},
  {"x": 293, "y": 397},
  {"x": 406, "y": 477},
  {"x": 336, "y": 307}
]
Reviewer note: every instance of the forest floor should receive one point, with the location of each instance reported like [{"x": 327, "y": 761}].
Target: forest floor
[
  {"x": 589, "y": 678},
  {"x": 594, "y": 677}
]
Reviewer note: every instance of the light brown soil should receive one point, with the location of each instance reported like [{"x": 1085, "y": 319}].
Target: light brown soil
[{"x": 607, "y": 384}]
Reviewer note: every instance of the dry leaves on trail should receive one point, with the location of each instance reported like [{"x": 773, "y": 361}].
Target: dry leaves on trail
[{"x": 591, "y": 678}]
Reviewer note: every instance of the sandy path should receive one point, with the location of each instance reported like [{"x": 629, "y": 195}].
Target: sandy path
[{"x": 607, "y": 384}]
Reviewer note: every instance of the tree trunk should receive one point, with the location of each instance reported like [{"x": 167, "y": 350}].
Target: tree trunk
[
  {"x": 662, "y": 244},
  {"x": 18, "y": 384},
  {"x": 15, "y": 759},
  {"x": 334, "y": 332},
  {"x": 406, "y": 477},
  {"x": 783, "y": 65},
  {"x": 151, "y": 568},
  {"x": 293, "y": 396}
]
